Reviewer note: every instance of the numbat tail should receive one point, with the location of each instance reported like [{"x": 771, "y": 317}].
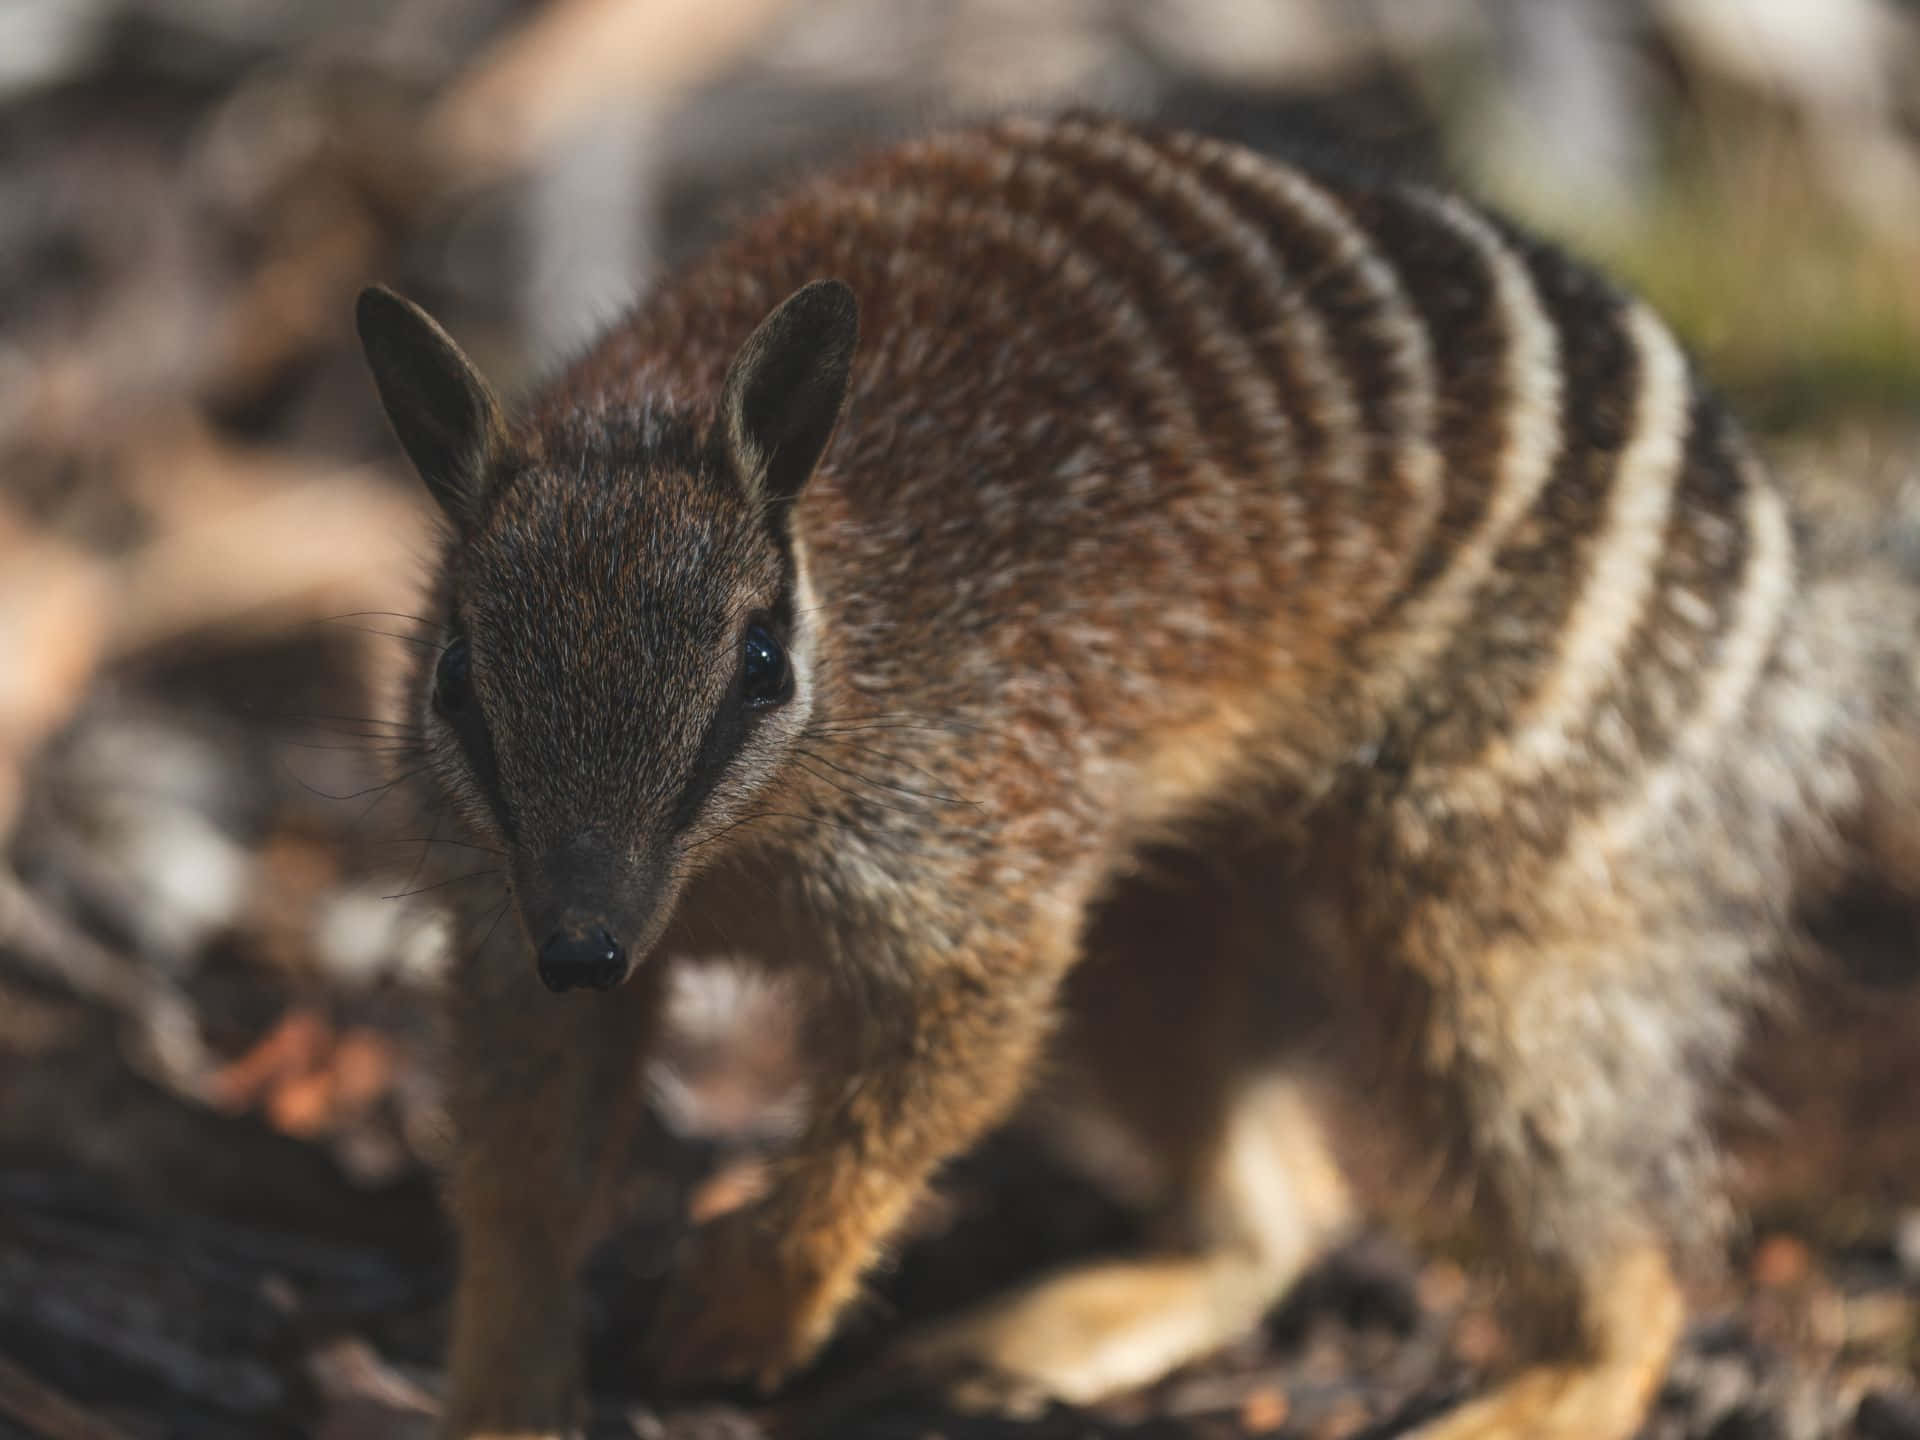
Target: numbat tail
[{"x": 1025, "y": 501}]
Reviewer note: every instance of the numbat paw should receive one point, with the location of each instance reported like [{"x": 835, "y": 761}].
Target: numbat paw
[
  {"x": 736, "y": 1313},
  {"x": 1634, "y": 1318},
  {"x": 1549, "y": 1404},
  {"x": 1091, "y": 1333}
]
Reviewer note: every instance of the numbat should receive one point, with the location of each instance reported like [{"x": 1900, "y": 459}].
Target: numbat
[{"x": 1028, "y": 500}]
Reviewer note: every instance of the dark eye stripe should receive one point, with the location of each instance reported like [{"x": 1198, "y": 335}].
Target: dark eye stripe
[
  {"x": 452, "y": 689},
  {"x": 765, "y": 680},
  {"x": 453, "y": 697}
]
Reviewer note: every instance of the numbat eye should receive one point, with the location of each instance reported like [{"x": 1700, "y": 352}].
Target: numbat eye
[
  {"x": 765, "y": 678},
  {"x": 452, "y": 691}
]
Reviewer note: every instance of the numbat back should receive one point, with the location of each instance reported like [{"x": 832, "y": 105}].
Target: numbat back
[{"x": 878, "y": 593}]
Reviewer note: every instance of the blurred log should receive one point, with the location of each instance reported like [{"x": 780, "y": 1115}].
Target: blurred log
[
  {"x": 574, "y": 59},
  {"x": 252, "y": 541},
  {"x": 54, "y": 608},
  {"x": 295, "y": 304},
  {"x": 243, "y": 542},
  {"x": 1845, "y": 66}
]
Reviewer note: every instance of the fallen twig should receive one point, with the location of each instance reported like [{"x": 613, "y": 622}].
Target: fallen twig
[
  {"x": 167, "y": 1044},
  {"x": 45, "y": 1411}
]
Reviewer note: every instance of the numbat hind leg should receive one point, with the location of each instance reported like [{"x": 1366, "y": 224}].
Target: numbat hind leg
[
  {"x": 1574, "y": 1066},
  {"x": 1170, "y": 1031},
  {"x": 1272, "y": 1202},
  {"x": 1633, "y": 1319}
]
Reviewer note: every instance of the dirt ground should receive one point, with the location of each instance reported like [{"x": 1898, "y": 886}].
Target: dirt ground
[{"x": 221, "y": 941}]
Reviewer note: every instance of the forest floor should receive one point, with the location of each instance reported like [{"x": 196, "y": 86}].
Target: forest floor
[{"x": 269, "y": 1259}]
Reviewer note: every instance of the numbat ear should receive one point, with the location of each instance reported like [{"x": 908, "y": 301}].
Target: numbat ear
[
  {"x": 786, "y": 387},
  {"x": 439, "y": 405}
]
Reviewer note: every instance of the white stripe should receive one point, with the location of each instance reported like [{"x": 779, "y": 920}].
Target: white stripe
[
  {"x": 1621, "y": 582},
  {"x": 1412, "y": 402},
  {"x": 1766, "y": 587},
  {"x": 1283, "y": 316},
  {"x": 1530, "y": 448},
  {"x": 1054, "y": 256},
  {"x": 1185, "y": 289}
]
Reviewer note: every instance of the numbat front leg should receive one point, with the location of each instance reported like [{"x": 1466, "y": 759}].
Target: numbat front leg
[
  {"x": 545, "y": 1094},
  {"x": 934, "y": 1065}
]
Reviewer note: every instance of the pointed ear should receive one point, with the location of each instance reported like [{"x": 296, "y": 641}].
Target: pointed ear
[
  {"x": 439, "y": 405},
  {"x": 785, "y": 389}
]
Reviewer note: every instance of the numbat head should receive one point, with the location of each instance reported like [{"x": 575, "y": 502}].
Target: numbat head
[{"x": 627, "y": 651}]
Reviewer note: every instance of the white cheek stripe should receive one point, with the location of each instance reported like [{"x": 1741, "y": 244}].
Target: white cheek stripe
[{"x": 806, "y": 607}]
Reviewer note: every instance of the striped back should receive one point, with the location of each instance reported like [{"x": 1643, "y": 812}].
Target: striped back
[{"x": 1156, "y": 388}]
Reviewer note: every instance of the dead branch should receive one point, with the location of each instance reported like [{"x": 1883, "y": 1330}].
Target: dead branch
[{"x": 45, "y": 1411}]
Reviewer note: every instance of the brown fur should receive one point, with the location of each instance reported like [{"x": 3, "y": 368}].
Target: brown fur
[{"x": 1178, "y": 493}]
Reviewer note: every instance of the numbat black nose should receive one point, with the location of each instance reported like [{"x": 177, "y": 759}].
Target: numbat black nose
[{"x": 594, "y": 960}]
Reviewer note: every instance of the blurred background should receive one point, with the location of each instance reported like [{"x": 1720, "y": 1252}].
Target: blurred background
[{"x": 219, "y": 930}]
